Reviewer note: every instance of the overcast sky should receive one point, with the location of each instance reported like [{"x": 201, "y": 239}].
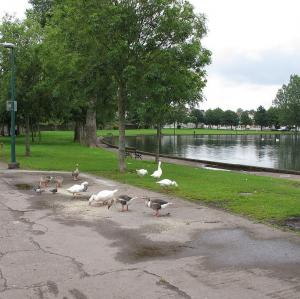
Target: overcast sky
[{"x": 255, "y": 46}]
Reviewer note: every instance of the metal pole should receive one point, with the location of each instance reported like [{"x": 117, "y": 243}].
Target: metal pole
[{"x": 13, "y": 164}]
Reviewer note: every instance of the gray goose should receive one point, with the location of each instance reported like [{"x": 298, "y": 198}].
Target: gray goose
[
  {"x": 124, "y": 200},
  {"x": 156, "y": 205},
  {"x": 75, "y": 173}
]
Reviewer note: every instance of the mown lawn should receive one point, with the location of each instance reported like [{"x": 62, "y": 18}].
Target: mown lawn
[
  {"x": 188, "y": 132},
  {"x": 270, "y": 199}
]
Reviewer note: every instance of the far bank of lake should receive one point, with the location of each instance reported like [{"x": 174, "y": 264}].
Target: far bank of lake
[{"x": 265, "y": 150}]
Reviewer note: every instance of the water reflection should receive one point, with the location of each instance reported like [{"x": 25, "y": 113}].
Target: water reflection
[{"x": 257, "y": 150}]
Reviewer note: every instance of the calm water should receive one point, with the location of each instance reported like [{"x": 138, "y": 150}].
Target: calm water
[{"x": 255, "y": 150}]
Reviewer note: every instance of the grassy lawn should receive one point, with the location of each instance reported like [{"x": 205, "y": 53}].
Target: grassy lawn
[
  {"x": 188, "y": 132},
  {"x": 270, "y": 199}
]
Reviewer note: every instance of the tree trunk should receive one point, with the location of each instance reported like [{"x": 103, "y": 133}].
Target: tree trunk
[
  {"x": 174, "y": 128},
  {"x": 158, "y": 138},
  {"x": 261, "y": 128},
  {"x": 39, "y": 132},
  {"x": 121, "y": 112},
  {"x": 90, "y": 125},
  {"x": 79, "y": 132},
  {"x": 27, "y": 137}
]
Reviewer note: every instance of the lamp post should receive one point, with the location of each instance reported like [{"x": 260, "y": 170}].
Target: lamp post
[{"x": 13, "y": 107}]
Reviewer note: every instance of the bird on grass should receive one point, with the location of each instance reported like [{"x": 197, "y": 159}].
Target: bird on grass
[
  {"x": 156, "y": 205},
  {"x": 75, "y": 173},
  {"x": 38, "y": 190},
  {"x": 77, "y": 188},
  {"x": 141, "y": 172},
  {"x": 53, "y": 190},
  {"x": 124, "y": 200},
  {"x": 102, "y": 196},
  {"x": 157, "y": 173},
  {"x": 167, "y": 183}
]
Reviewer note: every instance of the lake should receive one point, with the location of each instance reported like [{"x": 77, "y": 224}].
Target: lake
[{"x": 274, "y": 151}]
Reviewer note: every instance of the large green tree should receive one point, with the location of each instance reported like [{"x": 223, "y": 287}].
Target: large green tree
[
  {"x": 245, "y": 119},
  {"x": 27, "y": 36},
  {"x": 197, "y": 117},
  {"x": 230, "y": 118},
  {"x": 261, "y": 117},
  {"x": 288, "y": 102}
]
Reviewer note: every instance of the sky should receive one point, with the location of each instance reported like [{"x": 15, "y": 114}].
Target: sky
[{"x": 255, "y": 47}]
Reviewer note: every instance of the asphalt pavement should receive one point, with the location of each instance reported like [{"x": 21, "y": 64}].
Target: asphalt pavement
[{"x": 54, "y": 246}]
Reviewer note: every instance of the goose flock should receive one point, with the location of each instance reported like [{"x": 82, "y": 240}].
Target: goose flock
[{"x": 106, "y": 197}]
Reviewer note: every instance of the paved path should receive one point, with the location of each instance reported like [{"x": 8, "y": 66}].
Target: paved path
[{"x": 52, "y": 246}]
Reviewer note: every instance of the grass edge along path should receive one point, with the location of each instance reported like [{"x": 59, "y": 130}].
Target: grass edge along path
[{"x": 264, "y": 199}]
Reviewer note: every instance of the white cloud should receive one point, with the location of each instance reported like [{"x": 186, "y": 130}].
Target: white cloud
[
  {"x": 264, "y": 32},
  {"x": 13, "y": 7},
  {"x": 227, "y": 94}
]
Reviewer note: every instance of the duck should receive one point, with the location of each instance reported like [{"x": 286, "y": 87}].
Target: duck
[
  {"x": 167, "y": 183},
  {"x": 58, "y": 180},
  {"x": 124, "y": 200},
  {"x": 53, "y": 190},
  {"x": 141, "y": 172},
  {"x": 45, "y": 180},
  {"x": 156, "y": 205},
  {"x": 75, "y": 173},
  {"x": 38, "y": 190},
  {"x": 77, "y": 188},
  {"x": 277, "y": 139},
  {"x": 157, "y": 173},
  {"x": 102, "y": 196}
]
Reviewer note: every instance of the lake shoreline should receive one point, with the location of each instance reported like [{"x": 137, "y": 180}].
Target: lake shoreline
[{"x": 265, "y": 171}]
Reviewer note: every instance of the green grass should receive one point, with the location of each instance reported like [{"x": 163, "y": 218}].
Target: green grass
[
  {"x": 272, "y": 200},
  {"x": 135, "y": 132}
]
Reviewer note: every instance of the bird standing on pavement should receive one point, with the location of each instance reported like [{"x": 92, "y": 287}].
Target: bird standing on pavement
[
  {"x": 157, "y": 204},
  {"x": 38, "y": 190},
  {"x": 75, "y": 173},
  {"x": 102, "y": 196},
  {"x": 45, "y": 180},
  {"x": 124, "y": 200},
  {"x": 58, "y": 180},
  {"x": 77, "y": 188},
  {"x": 53, "y": 190}
]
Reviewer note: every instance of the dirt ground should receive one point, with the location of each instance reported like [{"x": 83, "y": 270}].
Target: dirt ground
[{"x": 54, "y": 246}]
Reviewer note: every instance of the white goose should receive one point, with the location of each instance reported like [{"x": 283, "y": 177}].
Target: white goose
[
  {"x": 167, "y": 183},
  {"x": 78, "y": 188},
  {"x": 141, "y": 172},
  {"x": 102, "y": 196},
  {"x": 157, "y": 173}
]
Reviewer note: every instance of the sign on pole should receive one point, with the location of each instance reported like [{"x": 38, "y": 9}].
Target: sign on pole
[{"x": 9, "y": 105}]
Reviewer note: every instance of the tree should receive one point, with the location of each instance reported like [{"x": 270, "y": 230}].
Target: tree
[
  {"x": 273, "y": 114},
  {"x": 214, "y": 117},
  {"x": 230, "y": 118},
  {"x": 196, "y": 117},
  {"x": 26, "y": 35},
  {"x": 156, "y": 58},
  {"x": 245, "y": 119},
  {"x": 288, "y": 102},
  {"x": 261, "y": 117}
]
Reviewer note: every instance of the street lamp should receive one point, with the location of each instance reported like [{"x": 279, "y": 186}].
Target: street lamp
[{"x": 12, "y": 107}]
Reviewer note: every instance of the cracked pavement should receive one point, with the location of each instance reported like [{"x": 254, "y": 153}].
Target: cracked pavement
[{"x": 53, "y": 246}]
